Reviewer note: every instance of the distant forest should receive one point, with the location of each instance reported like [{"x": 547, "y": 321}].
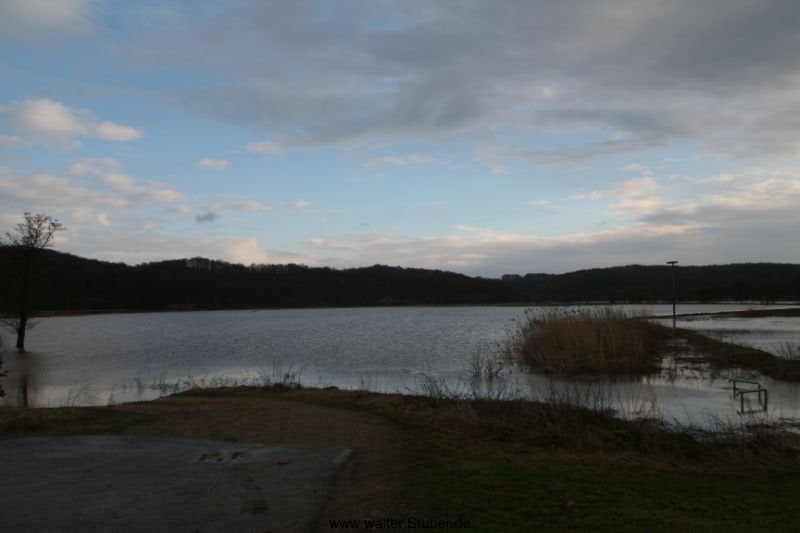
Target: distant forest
[{"x": 66, "y": 282}]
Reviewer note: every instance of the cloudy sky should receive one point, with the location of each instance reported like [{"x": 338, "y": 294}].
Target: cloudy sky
[{"x": 480, "y": 137}]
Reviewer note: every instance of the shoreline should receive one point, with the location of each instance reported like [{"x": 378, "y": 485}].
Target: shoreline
[{"x": 781, "y": 306}]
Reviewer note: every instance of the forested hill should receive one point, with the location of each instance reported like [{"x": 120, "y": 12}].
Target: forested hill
[{"x": 68, "y": 282}]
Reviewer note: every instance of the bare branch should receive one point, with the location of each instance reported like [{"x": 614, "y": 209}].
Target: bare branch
[{"x": 35, "y": 232}]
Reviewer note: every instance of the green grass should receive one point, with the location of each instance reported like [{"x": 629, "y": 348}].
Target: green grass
[
  {"x": 558, "y": 492},
  {"x": 525, "y": 466},
  {"x": 21, "y": 422}
]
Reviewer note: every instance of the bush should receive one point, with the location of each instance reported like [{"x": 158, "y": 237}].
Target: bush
[{"x": 603, "y": 340}]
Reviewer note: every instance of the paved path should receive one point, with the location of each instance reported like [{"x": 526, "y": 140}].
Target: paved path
[{"x": 131, "y": 483}]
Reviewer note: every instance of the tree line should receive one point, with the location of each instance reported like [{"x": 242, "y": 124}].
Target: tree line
[{"x": 67, "y": 282}]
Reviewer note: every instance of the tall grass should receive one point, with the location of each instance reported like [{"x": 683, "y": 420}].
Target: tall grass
[
  {"x": 788, "y": 351},
  {"x": 587, "y": 419},
  {"x": 602, "y": 340},
  {"x": 485, "y": 367}
]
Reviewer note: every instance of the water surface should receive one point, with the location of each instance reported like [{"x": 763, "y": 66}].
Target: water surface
[
  {"x": 770, "y": 334},
  {"x": 101, "y": 359}
]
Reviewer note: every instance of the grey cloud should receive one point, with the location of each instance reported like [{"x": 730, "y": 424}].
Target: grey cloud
[
  {"x": 739, "y": 41},
  {"x": 728, "y": 239},
  {"x": 650, "y": 72},
  {"x": 28, "y": 20},
  {"x": 207, "y": 217}
]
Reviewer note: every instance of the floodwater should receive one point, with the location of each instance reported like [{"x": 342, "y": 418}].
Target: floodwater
[
  {"x": 770, "y": 334},
  {"x": 114, "y": 358}
]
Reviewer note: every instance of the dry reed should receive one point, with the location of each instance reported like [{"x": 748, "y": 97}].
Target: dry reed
[{"x": 579, "y": 341}]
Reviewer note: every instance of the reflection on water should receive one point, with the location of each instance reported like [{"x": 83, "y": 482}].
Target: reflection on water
[
  {"x": 104, "y": 359},
  {"x": 16, "y": 383}
]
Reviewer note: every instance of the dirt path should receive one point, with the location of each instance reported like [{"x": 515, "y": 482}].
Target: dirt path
[{"x": 367, "y": 487}]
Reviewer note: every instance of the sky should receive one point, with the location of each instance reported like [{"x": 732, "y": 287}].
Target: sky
[{"x": 479, "y": 137}]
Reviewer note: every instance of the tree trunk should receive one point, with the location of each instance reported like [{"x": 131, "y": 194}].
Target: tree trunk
[
  {"x": 25, "y": 390},
  {"x": 23, "y": 326}
]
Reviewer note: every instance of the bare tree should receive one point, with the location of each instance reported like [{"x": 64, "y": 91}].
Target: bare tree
[{"x": 28, "y": 238}]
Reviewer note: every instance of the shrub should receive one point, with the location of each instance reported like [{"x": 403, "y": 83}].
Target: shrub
[{"x": 603, "y": 340}]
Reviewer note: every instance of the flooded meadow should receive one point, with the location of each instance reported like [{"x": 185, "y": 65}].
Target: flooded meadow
[{"x": 115, "y": 358}]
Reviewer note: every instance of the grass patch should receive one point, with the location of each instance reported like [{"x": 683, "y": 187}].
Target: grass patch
[
  {"x": 539, "y": 466},
  {"x": 26, "y": 422},
  {"x": 559, "y": 423},
  {"x": 588, "y": 341},
  {"x": 726, "y": 355},
  {"x": 558, "y": 492},
  {"x": 788, "y": 351}
]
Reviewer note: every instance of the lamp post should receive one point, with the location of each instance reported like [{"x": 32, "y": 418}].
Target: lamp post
[{"x": 672, "y": 265}]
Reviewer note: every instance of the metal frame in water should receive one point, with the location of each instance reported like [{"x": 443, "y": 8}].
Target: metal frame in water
[{"x": 741, "y": 393}]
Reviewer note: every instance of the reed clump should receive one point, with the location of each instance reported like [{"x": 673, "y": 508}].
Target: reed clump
[{"x": 589, "y": 341}]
